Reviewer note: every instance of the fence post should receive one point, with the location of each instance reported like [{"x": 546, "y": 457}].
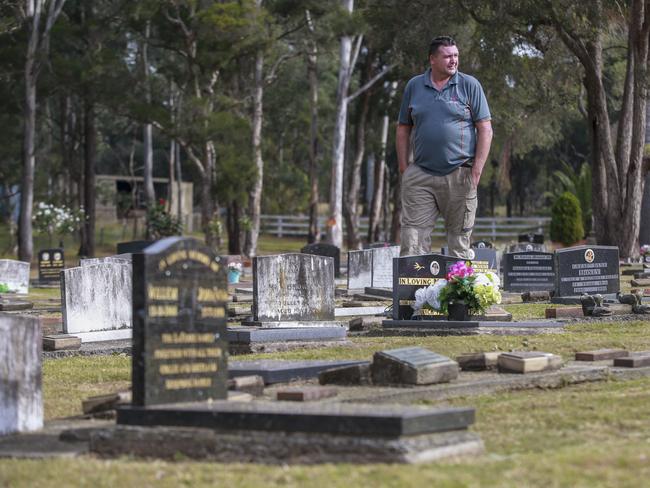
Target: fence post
[
  {"x": 279, "y": 225},
  {"x": 494, "y": 230}
]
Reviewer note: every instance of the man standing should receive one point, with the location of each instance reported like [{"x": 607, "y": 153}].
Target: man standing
[{"x": 450, "y": 116}]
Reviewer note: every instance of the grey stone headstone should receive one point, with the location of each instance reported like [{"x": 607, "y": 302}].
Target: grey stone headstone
[
  {"x": 96, "y": 298},
  {"x": 412, "y": 365},
  {"x": 21, "y": 399},
  {"x": 382, "y": 266},
  {"x": 284, "y": 371},
  {"x": 15, "y": 274},
  {"x": 587, "y": 269},
  {"x": 359, "y": 269},
  {"x": 118, "y": 258},
  {"x": 528, "y": 271},
  {"x": 293, "y": 287},
  {"x": 325, "y": 249}
]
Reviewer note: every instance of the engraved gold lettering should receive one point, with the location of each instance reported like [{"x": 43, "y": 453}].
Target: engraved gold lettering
[
  {"x": 187, "y": 338},
  {"x": 163, "y": 310},
  {"x": 162, "y": 293},
  {"x": 213, "y": 312},
  {"x": 188, "y": 353},
  {"x": 188, "y": 368},
  {"x": 188, "y": 383},
  {"x": 418, "y": 281},
  {"x": 212, "y": 295}
]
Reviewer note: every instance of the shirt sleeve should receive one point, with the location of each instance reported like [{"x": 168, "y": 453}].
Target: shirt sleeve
[
  {"x": 478, "y": 103},
  {"x": 405, "y": 109}
]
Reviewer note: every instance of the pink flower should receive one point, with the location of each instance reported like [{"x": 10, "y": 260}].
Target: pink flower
[{"x": 460, "y": 270}]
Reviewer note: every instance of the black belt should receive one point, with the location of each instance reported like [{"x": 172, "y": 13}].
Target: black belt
[{"x": 467, "y": 164}]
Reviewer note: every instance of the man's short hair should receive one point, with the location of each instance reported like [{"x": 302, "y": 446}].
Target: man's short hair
[{"x": 440, "y": 41}]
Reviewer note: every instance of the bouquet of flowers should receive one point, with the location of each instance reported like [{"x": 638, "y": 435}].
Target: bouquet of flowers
[
  {"x": 645, "y": 250},
  {"x": 462, "y": 284},
  {"x": 235, "y": 267}
]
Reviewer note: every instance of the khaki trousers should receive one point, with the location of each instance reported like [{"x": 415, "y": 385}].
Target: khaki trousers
[{"x": 426, "y": 197}]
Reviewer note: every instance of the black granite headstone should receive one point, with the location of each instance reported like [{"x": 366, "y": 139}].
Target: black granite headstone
[
  {"x": 132, "y": 247},
  {"x": 325, "y": 249},
  {"x": 413, "y": 272},
  {"x": 482, "y": 244},
  {"x": 530, "y": 270},
  {"x": 535, "y": 238},
  {"x": 50, "y": 264},
  {"x": 179, "y": 323},
  {"x": 377, "y": 245},
  {"x": 482, "y": 258},
  {"x": 587, "y": 269}
]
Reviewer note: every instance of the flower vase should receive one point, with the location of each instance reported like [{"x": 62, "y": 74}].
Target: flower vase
[
  {"x": 233, "y": 276},
  {"x": 458, "y": 311}
]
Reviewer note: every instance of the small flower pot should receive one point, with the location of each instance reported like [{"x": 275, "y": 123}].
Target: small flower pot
[
  {"x": 233, "y": 276},
  {"x": 458, "y": 311}
]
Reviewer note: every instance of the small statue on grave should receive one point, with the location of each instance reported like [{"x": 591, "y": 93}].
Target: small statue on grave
[
  {"x": 639, "y": 308},
  {"x": 593, "y": 306}
]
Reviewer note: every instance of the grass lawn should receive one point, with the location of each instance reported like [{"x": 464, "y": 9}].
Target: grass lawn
[{"x": 584, "y": 435}]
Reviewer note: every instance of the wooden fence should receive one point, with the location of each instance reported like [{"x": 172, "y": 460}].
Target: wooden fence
[{"x": 484, "y": 228}]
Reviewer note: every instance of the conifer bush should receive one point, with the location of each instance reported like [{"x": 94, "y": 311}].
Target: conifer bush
[{"x": 566, "y": 220}]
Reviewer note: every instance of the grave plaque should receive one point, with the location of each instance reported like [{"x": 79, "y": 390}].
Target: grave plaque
[
  {"x": 15, "y": 274},
  {"x": 413, "y": 272},
  {"x": 412, "y": 365},
  {"x": 179, "y": 323},
  {"x": 324, "y": 249},
  {"x": 586, "y": 269},
  {"x": 293, "y": 287},
  {"x": 50, "y": 264},
  {"x": 359, "y": 269},
  {"x": 530, "y": 270}
]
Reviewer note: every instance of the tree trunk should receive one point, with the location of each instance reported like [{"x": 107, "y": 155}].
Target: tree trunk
[
  {"x": 255, "y": 196},
  {"x": 25, "y": 241},
  {"x": 396, "y": 223},
  {"x": 90, "y": 154},
  {"x": 334, "y": 224},
  {"x": 313, "y": 235},
  {"x": 207, "y": 206},
  {"x": 352, "y": 205}
]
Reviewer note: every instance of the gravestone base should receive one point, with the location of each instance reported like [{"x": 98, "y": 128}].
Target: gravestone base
[
  {"x": 293, "y": 324},
  {"x": 423, "y": 328},
  {"x": 575, "y": 299},
  {"x": 281, "y": 447},
  {"x": 236, "y": 349}
]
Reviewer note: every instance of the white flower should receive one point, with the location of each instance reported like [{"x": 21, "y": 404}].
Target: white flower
[
  {"x": 433, "y": 293},
  {"x": 420, "y": 298}
]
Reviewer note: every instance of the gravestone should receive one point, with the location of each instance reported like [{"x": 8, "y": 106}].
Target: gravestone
[
  {"x": 291, "y": 290},
  {"x": 21, "y": 400},
  {"x": 371, "y": 268},
  {"x": 646, "y": 261},
  {"x": 534, "y": 238},
  {"x": 482, "y": 245},
  {"x": 359, "y": 269},
  {"x": 413, "y": 272},
  {"x": 180, "y": 347},
  {"x": 483, "y": 259},
  {"x": 527, "y": 271},
  {"x": 96, "y": 301},
  {"x": 117, "y": 258},
  {"x": 15, "y": 274},
  {"x": 413, "y": 366},
  {"x": 586, "y": 269},
  {"x": 382, "y": 266},
  {"x": 325, "y": 249},
  {"x": 527, "y": 247},
  {"x": 284, "y": 371},
  {"x": 132, "y": 247},
  {"x": 50, "y": 264}
]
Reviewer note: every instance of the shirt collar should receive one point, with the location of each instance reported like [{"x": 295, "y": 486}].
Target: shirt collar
[{"x": 427, "y": 79}]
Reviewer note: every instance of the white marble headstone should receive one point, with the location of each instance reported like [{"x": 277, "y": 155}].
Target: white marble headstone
[
  {"x": 15, "y": 274},
  {"x": 382, "y": 266},
  {"x": 21, "y": 398}
]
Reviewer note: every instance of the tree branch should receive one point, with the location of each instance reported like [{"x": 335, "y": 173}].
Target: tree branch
[{"x": 369, "y": 84}]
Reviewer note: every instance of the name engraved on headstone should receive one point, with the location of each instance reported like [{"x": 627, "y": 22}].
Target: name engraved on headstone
[
  {"x": 587, "y": 269},
  {"x": 526, "y": 271},
  {"x": 180, "y": 344},
  {"x": 50, "y": 264},
  {"x": 293, "y": 287}
]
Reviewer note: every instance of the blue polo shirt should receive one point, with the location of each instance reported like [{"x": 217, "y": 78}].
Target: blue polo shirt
[{"x": 444, "y": 120}]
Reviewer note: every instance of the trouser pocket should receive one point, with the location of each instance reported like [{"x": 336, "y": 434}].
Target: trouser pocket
[{"x": 470, "y": 213}]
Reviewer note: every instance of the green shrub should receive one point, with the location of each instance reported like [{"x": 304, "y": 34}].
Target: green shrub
[{"x": 566, "y": 220}]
